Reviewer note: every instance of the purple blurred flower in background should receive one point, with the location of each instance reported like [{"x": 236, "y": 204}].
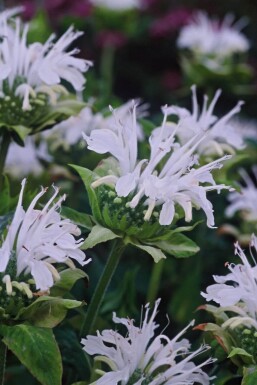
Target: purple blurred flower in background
[{"x": 170, "y": 22}]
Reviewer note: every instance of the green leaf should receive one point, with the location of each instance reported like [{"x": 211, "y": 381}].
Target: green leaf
[
  {"x": 68, "y": 278},
  {"x": 99, "y": 234},
  {"x": 36, "y": 349},
  {"x": 178, "y": 245},
  {"x": 250, "y": 376},
  {"x": 47, "y": 311},
  {"x": 88, "y": 177},
  {"x": 239, "y": 352},
  {"x": 157, "y": 254},
  {"x": 5, "y": 197},
  {"x": 83, "y": 220},
  {"x": 21, "y": 131}
]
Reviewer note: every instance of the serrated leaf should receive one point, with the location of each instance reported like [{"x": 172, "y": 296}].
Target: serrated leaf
[
  {"x": 99, "y": 234},
  {"x": 47, "y": 311},
  {"x": 157, "y": 254},
  {"x": 83, "y": 220},
  {"x": 68, "y": 278},
  {"x": 37, "y": 350}
]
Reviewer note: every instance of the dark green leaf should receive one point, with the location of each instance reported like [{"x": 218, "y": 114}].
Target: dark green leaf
[
  {"x": 83, "y": 220},
  {"x": 36, "y": 349}
]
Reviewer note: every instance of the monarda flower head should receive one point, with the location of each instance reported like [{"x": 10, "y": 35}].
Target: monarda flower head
[
  {"x": 155, "y": 187},
  {"x": 236, "y": 312},
  {"x": 221, "y": 135},
  {"x": 219, "y": 40},
  {"x": 31, "y": 94},
  {"x": 142, "y": 357},
  {"x": 34, "y": 242}
]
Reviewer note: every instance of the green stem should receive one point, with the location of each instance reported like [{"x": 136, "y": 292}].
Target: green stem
[
  {"x": 107, "y": 60},
  {"x": 6, "y": 140},
  {"x": 103, "y": 283},
  {"x": 154, "y": 283},
  {"x": 3, "y": 351}
]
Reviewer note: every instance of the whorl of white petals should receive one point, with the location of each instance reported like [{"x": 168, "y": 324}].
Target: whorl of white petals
[
  {"x": 39, "y": 238},
  {"x": 36, "y": 64},
  {"x": 221, "y": 135},
  {"x": 236, "y": 292},
  {"x": 179, "y": 181},
  {"x": 245, "y": 200},
  {"x": 211, "y": 37},
  {"x": 142, "y": 355}
]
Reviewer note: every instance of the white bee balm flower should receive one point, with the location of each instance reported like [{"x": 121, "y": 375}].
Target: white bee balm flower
[
  {"x": 218, "y": 39},
  {"x": 221, "y": 135},
  {"x": 176, "y": 181},
  {"x": 236, "y": 292},
  {"x": 142, "y": 357},
  {"x": 39, "y": 238}
]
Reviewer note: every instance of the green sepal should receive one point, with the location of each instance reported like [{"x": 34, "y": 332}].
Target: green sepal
[
  {"x": 47, "y": 311},
  {"x": 81, "y": 219},
  {"x": 65, "y": 107},
  {"x": 249, "y": 375},
  {"x": 20, "y": 130},
  {"x": 98, "y": 234},
  {"x": 68, "y": 278},
  {"x": 36, "y": 349}
]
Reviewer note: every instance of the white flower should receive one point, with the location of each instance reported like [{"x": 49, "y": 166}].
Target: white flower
[
  {"x": 29, "y": 69},
  {"x": 143, "y": 356},
  {"x": 246, "y": 128},
  {"x": 212, "y": 37},
  {"x": 22, "y": 161},
  {"x": 117, "y": 5},
  {"x": 244, "y": 201},
  {"x": 39, "y": 238},
  {"x": 221, "y": 134},
  {"x": 69, "y": 132},
  {"x": 178, "y": 182},
  {"x": 237, "y": 291}
]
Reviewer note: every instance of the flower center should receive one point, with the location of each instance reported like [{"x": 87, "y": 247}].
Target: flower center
[
  {"x": 117, "y": 212},
  {"x": 11, "y": 111},
  {"x": 248, "y": 340}
]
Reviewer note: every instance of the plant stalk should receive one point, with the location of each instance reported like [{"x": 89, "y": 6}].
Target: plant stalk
[
  {"x": 6, "y": 140},
  {"x": 3, "y": 352},
  {"x": 154, "y": 283},
  {"x": 106, "y": 69},
  {"x": 103, "y": 283}
]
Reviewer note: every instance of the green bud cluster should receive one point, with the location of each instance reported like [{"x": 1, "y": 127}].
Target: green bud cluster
[
  {"x": 137, "y": 375},
  {"x": 12, "y": 301},
  {"x": 119, "y": 211},
  {"x": 247, "y": 338},
  {"x": 10, "y": 304},
  {"x": 11, "y": 112}
]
